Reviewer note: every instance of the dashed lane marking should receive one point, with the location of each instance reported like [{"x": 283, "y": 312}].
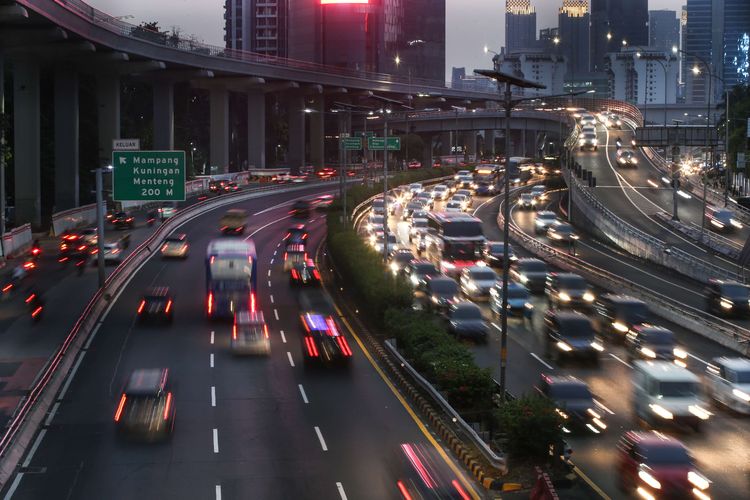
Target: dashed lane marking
[
  {"x": 283, "y": 337},
  {"x": 216, "y": 440},
  {"x": 302, "y": 392},
  {"x": 211, "y": 360},
  {"x": 276, "y": 314},
  {"x": 213, "y": 395},
  {"x": 550, "y": 367},
  {"x": 320, "y": 438},
  {"x": 340, "y": 487},
  {"x": 291, "y": 360}
]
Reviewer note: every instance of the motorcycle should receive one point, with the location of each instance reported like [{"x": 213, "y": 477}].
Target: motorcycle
[{"x": 36, "y": 306}]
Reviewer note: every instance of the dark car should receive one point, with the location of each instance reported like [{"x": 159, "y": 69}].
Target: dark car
[
  {"x": 485, "y": 189},
  {"x": 627, "y": 158},
  {"x": 532, "y": 273},
  {"x": 493, "y": 253},
  {"x": 441, "y": 292},
  {"x": 400, "y": 259},
  {"x": 519, "y": 300},
  {"x": 560, "y": 233},
  {"x": 727, "y": 299},
  {"x": 156, "y": 304},
  {"x": 617, "y": 314},
  {"x": 296, "y": 234},
  {"x": 652, "y": 342},
  {"x": 411, "y": 207},
  {"x": 300, "y": 209},
  {"x": 304, "y": 273},
  {"x": 465, "y": 320},
  {"x": 423, "y": 474},
  {"x": 419, "y": 272},
  {"x": 146, "y": 409},
  {"x": 573, "y": 402},
  {"x": 654, "y": 465},
  {"x": 122, "y": 220},
  {"x": 569, "y": 290},
  {"x": 570, "y": 334},
  {"x": 322, "y": 342}
]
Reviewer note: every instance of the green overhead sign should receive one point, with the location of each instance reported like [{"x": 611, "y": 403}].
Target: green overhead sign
[
  {"x": 351, "y": 143},
  {"x": 148, "y": 175},
  {"x": 378, "y": 143}
]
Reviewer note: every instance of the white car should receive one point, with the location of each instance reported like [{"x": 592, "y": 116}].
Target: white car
[
  {"x": 415, "y": 188},
  {"x": 440, "y": 192},
  {"x": 375, "y": 223},
  {"x": 461, "y": 173},
  {"x": 728, "y": 383},
  {"x": 113, "y": 253},
  {"x": 589, "y": 141},
  {"x": 543, "y": 220},
  {"x": 464, "y": 200},
  {"x": 418, "y": 227},
  {"x": 527, "y": 201},
  {"x": 167, "y": 212},
  {"x": 454, "y": 206},
  {"x": 477, "y": 281}
]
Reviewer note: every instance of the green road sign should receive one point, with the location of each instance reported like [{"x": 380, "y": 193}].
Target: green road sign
[
  {"x": 378, "y": 143},
  {"x": 148, "y": 175},
  {"x": 351, "y": 143}
]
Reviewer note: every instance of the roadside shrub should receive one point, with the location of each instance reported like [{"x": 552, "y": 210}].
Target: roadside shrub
[{"x": 530, "y": 425}]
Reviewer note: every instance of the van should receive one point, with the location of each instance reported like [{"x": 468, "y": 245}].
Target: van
[{"x": 665, "y": 395}]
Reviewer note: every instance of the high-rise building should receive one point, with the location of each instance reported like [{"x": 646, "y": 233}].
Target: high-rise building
[
  {"x": 387, "y": 36},
  {"x": 520, "y": 25},
  {"x": 718, "y": 32},
  {"x": 663, "y": 29},
  {"x": 643, "y": 76},
  {"x": 573, "y": 22},
  {"x": 683, "y": 37},
  {"x": 615, "y": 24},
  {"x": 549, "y": 39},
  {"x": 539, "y": 66},
  {"x": 256, "y": 25},
  {"x": 457, "y": 76}
]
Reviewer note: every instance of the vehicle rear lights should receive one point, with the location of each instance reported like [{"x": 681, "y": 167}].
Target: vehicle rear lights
[
  {"x": 169, "y": 306},
  {"x": 30, "y": 298},
  {"x": 403, "y": 490},
  {"x": 344, "y": 345},
  {"x": 312, "y": 349},
  {"x": 265, "y": 330},
  {"x": 140, "y": 307},
  {"x": 210, "y": 302},
  {"x": 36, "y": 312},
  {"x": 7, "y": 287},
  {"x": 252, "y": 302},
  {"x": 234, "y": 332},
  {"x": 460, "y": 490},
  {"x": 168, "y": 405},
  {"x": 120, "y": 407},
  {"x": 316, "y": 274},
  {"x": 295, "y": 274},
  {"x": 164, "y": 248}
]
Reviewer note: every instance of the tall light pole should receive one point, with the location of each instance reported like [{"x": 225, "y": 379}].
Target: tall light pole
[{"x": 100, "y": 222}]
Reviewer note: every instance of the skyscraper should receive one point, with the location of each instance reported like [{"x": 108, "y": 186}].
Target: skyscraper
[
  {"x": 574, "y": 35},
  {"x": 683, "y": 37},
  {"x": 520, "y": 25},
  {"x": 663, "y": 29},
  {"x": 614, "y": 24},
  {"x": 256, "y": 25}
]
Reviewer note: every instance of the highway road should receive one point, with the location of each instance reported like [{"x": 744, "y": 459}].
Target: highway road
[{"x": 245, "y": 427}]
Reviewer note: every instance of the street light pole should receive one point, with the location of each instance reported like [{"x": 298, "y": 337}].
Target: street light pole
[
  {"x": 385, "y": 185},
  {"x": 100, "y": 225}
]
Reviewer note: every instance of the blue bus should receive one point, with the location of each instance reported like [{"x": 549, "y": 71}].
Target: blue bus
[{"x": 231, "y": 270}]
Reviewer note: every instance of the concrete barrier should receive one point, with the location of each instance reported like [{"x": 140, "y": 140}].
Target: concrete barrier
[
  {"x": 16, "y": 241},
  {"x": 73, "y": 218}
]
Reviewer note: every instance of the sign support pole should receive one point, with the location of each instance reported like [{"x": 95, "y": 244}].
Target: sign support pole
[{"x": 100, "y": 226}]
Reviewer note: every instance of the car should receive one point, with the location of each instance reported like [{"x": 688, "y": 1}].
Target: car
[
  {"x": 614, "y": 121},
  {"x": 646, "y": 341},
  {"x": 400, "y": 259},
  {"x": 485, "y": 189},
  {"x": 156, "y": 305},
  {"x": 527, "y": 201},
  {"x": 423, "y": 474},
  {"x": 413, "y": 165},
  {"x": 175, "y": 246},
  {"x": 465, "y": 181},
  {"x": 462, "y": 199},
  {"x": 410, "y": 208},
  {"x": 464, "y": 192},
  {"x": 574, "y": 402},
  {"x": 453, "y": 206},
  {"x": 419, "y": 272},
  {"x": 465, "y": 320},
  {"x": 304, "y": 273},
  {"x": 617, "y": 314},
  {"x": 294, "y": 253},
  {"x": 296, "y": 234},
  {"x": 216, "y": 187},
  {"x": 426, "y": 199},
  {"x": 461, "y": 173},
  {"x": 89, "y": 236},
  {"x": 113, "y": 253},
  {"x": 377, "y": 242},
  {"x": 441, "y": 291},
  {"x": 234, "y": 221},
  {"x": 627, "y": 158},
  {"x": 570, "y": 334},
  {"x": 531, "y": 273},
  {"x": 587, "y": 120},
  {"x": 326, "y": 173},
  {"x": 300, "y": 209},
  {"x": 477, "y": 281},
  {"x": 440, "y": 192},
  {"x": 727, "y": 298},
  {"x": 250, "y": 334},
  {"x": 543, "y": 220},
  {"x": 722, "y": 220},
  {"x": 519, "y": 300},
  {"x": 589, "y": 141},
  {"x": 569, "y": 290},
  {"x": 727, "y": 382},
  {"x": 539, "y": 192},
  {"x": 561, "y": 232},
  {"x": 418, "y": 227},
  {"x": 654, "y": 465},
  {"x": 322, "y": 341},
  {"x": 122, "y": 220},
  {"x": 322, "y": 202},
  {"x": 493, "y": 253},
  {"x": 415, "y": 188},
  {"x": 146, "y": 409},
  {"x": 588, "y": 129}
]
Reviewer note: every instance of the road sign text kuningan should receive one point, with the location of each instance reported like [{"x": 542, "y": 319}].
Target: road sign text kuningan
[
  {"x": 148, "y": 175},
  {"x": 351, "y": 143},
  {"x": 378, "y": 143}
]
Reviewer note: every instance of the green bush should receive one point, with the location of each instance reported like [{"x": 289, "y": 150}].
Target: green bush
[{"x": 530, "y": 425}]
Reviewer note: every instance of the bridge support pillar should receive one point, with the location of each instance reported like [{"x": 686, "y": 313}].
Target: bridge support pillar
[
  {"x": 163, "y": 115},
  {"x": 427, "y": 150},
  {"x": 489, "y": 142},
  {"x": 108, "y": 102},
  {"x": 66, "y": 139},
  {"x": 296, "y": 151},
  {"x": 446, "y": 141},
  {"x": 27, "y": 142},
  {"x": 470, "y": 143},
  {"x": 256, "y": 129},
  {"x": 317, "y": 132},
  {"x": 219, "y": 123}
]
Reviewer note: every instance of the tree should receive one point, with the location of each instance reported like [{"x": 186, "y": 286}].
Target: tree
[{"x": 531, "y": 425}]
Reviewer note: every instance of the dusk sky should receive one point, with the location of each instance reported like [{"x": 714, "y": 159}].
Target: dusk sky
[{"x": 471, "y": 24}]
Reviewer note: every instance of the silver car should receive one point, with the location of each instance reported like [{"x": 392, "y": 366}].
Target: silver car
[{"x": 477, "y": 281}]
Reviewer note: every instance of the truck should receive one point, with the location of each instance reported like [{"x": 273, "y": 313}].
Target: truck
[{"x": 231, "y": 270}]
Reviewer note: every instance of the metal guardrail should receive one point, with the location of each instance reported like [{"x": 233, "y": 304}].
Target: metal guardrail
[{"x": 32, "y": 409}]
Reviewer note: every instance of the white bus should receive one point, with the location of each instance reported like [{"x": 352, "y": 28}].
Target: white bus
[{"x": 453, "y": 241}]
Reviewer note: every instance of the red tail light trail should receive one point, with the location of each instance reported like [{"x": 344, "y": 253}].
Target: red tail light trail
[
  {"x": 120, "y": 407},
  {"x": 168, "y": 405},
  {"x": 140, "y": 307}
]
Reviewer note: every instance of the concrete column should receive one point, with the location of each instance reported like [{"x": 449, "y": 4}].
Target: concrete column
[
  {"x": 317, "y": 132},
  {"x": 26, "y": 142},
  {"x": 66, "y": 139},
  {"x": 219, "y": 123},
  {"x": 446, "y": 143},
  {"x": 469, "y": 141},
  {"x": 427, "y": 139},
  {"x": 489, "y": 142},
  {"x": 256, "y": 129},
  {"x": 163, "y": 116},
  {"x": 296, "y": 150},
  {"x": 108, "y": 102}
]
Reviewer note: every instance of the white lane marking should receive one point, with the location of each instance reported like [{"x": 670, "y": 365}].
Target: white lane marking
[
  {"x": 213, "y": 395},
  {"x": 278, "y": 245},
  {"x": 269, "y": 283},
  {"x": 291, "y": 360},
  {"x": 269, "y": 273},
  {"x": 14, "y": 486},
  {"x": 340, "y": 487},
  {"x": 51, "y": 415},
  {"x": 550, "y": 367},
  {"x": 320, "y": 438},
  {"x": 283, "y": 337},
  {"x": 304, "y": 396},
  {"x": 72, "y": 374},
  {"x": 278, "y": 205},
  {"x": 271, "y": 261},
  {"x": 212, "y": 337},
  {"x": 275, "y": 252},
  {"x": 216, "y": 440},
  {"x": 621, "y": 361},
  {"x": 271, "y": 298},
  {"x": 698, "y": 359},
  {"x": 34, "y": 448},
  {"x": 218, "y": 492},
  {"x": 265, "y": 226},
  {"x": 276, "y": 314},
  {"x": 93, "y": 334},
  {"x": 211, "y": 360}
]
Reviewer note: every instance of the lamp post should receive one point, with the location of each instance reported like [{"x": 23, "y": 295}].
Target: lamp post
[{"x": 100, "y": 222}]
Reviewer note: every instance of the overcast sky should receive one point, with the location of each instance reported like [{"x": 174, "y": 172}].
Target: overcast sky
[{"x": 471, "y": 24}]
